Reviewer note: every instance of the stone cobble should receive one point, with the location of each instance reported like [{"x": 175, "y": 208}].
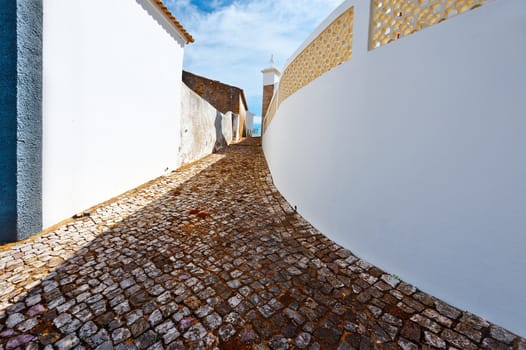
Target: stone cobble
[{"x": 211, "y": 256}]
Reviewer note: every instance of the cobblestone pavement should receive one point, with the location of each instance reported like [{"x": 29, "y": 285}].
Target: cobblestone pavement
[{"x": 211, "y": 256}]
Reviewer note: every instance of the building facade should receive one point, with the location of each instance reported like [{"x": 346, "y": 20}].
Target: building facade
[
  {"x": 91, "y": 91},
  {"x": 225, "y": 98}
]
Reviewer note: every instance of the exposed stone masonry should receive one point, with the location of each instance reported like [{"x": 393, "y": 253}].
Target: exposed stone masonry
[
  {"x": 225, "y": 98},
  {"x": 212, "y": 256}
]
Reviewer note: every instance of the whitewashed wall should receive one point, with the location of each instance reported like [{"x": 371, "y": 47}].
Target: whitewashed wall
[
  {"x": 112, "y": 87},
  {"x": 413, "y": 156},
  {"x": 202, "y": 127},
  {"x": 249, "y": 123}
]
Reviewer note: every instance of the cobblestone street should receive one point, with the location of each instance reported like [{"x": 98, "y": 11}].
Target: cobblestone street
[{"x": 212, "y": 256}]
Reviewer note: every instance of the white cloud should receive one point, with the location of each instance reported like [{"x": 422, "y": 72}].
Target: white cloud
[{"x": 234, "y": 42}]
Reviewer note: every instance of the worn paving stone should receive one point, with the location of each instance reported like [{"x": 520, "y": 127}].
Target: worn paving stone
[
  {"x": 211, "y": 256},
  {"x": 68, "y": 342}
]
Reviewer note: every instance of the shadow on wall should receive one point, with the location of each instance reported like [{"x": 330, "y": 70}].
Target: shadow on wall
[
  {"x": 204, "y": 129},
  {"x": 235, "y": 127},
  {"x": 224, "y": 130},
  {"x": 221, "y": 141}
]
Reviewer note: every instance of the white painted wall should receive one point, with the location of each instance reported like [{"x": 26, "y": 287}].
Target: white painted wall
[
  {"x": 201, "y": 127},
  {"x": 271, "y": 76},
  {"x": 236, "y": 136},
  {"x": 112, "y": 87},
  {"x": 412, "y": 155},
  {"x": 249, "y": 123},
  {"x": 227, "y": 126}
]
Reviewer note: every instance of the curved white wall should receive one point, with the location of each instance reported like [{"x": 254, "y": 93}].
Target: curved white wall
[
  {"x": 413, "y": 156},
  {"x": 112, "y": 87}
]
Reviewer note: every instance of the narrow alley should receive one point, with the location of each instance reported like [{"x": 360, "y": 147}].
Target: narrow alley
[{"x": 212, "y": 256}]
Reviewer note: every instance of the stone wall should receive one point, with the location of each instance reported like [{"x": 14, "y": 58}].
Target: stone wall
[
  {"x": 222, "y": 96},
  {"x": 203, "y": 128},
  {"x": 20, "y": 119},
  {"x": 29, "y": 105}
]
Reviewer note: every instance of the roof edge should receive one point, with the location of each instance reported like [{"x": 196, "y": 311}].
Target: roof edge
[{"x": 161, "y": 6}]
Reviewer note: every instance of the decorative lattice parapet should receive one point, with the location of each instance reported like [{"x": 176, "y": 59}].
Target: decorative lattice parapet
[
  {"x": 331, "y": 48},
  {"x": 393, "y": 19}
]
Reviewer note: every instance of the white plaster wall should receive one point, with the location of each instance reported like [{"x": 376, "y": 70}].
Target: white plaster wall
[
  {"x": 227, "y": 128},
  {"x": 112, "y": 87},
  {"x": 236, "y": 136},
  {"x": 270, "y": 76},
  {"x": 412, "y": 155},
  {"x": 201, "y": 127},
  {"x": 250, "y": 123}
]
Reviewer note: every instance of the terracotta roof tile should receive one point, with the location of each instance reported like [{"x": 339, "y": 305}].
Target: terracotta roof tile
[{"x": 175, "y": 22}]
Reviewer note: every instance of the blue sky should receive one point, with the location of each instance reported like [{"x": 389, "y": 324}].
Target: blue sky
[
  {"x": 235, "y": 38},
  {"x": 211, "y": 6}
]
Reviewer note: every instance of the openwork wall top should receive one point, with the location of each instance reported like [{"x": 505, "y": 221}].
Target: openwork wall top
[
  {"x": 390, "y": 20},
  {"x": 330, "y": 49},
  {"x": 393, "y": 19}
]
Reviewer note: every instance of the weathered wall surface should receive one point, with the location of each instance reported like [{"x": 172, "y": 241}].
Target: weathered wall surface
[
  {"x": 29, "y": 106},
  {"x": 419, "y": 162},
  {"x": 20, "y": 119},
  {"x": 222, "y": 96},
  {"x": 201, "y": 127},
  {"x": 227, "y": 125},
  {"x": 112, "y": 109}
]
